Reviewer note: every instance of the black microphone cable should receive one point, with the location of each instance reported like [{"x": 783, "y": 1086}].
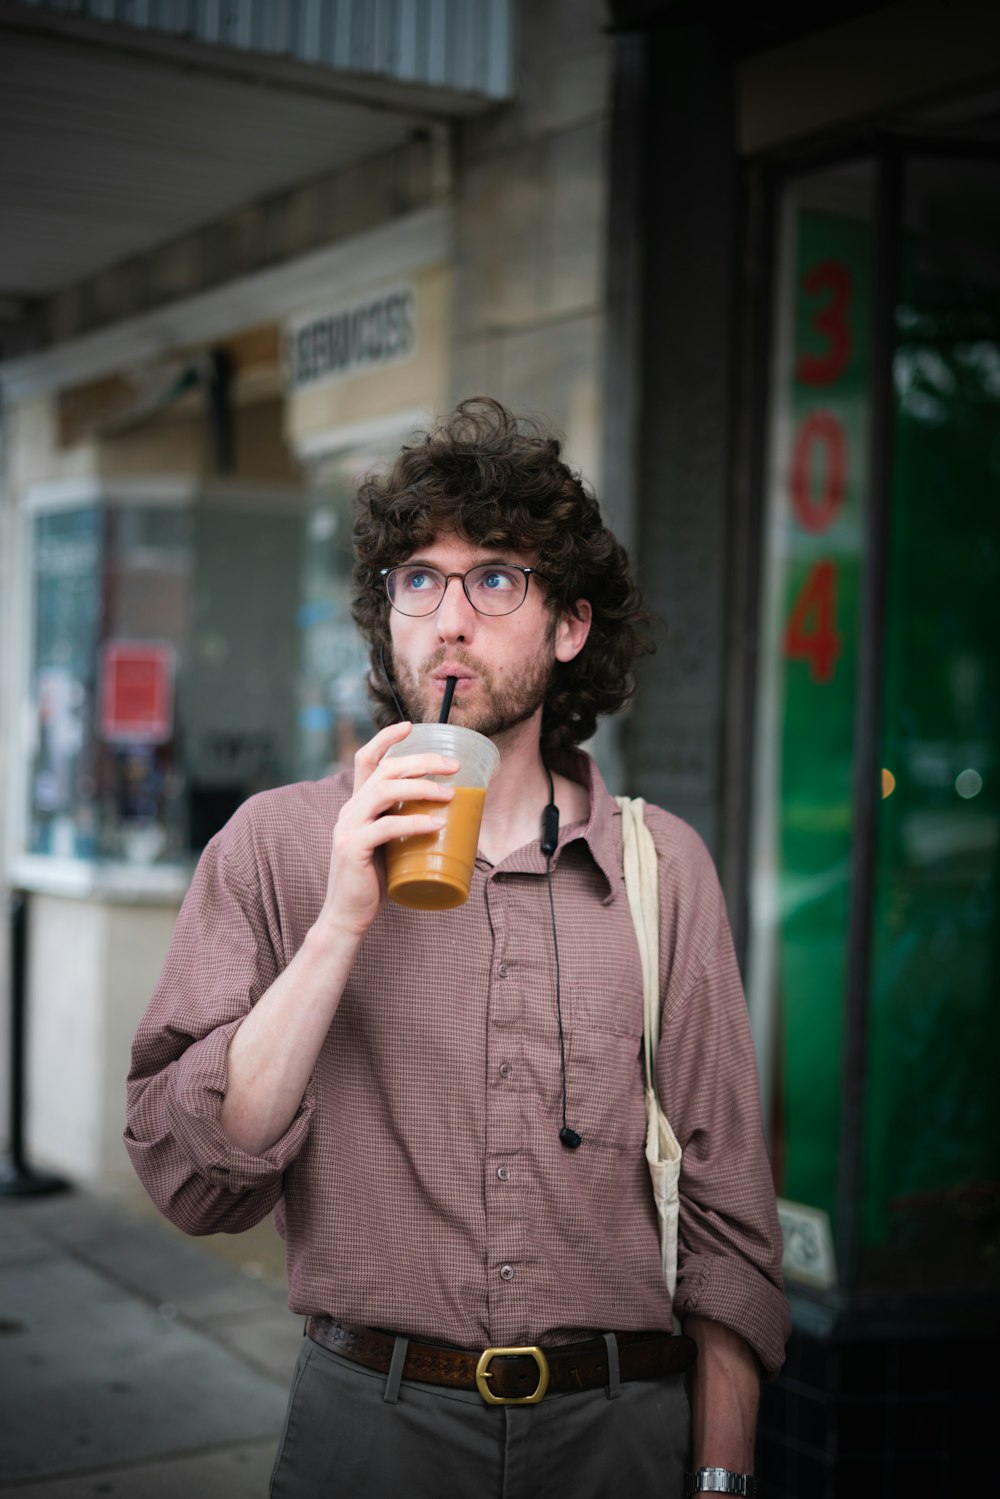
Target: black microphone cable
[
  {"x": 388, "y": 679},
  {"x": 550, "y": 838}
]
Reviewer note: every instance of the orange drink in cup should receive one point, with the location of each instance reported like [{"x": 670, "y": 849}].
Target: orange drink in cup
[{"x": 433, "y": 871}]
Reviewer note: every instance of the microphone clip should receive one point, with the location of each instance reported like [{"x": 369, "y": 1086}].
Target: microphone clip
[{"x": 550, "y": 829}]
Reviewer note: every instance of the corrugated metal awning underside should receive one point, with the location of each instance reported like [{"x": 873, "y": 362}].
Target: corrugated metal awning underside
[{"x": 125, "y": 124}]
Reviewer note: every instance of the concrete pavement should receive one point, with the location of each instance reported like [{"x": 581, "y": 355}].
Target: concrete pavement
[{"x": 136, "y": 1362}]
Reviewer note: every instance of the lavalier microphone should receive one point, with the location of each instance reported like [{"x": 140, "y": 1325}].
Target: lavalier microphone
[{"x": 550, "y": 829}]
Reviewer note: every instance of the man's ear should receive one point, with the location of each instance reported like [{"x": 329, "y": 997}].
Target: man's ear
[{"x": 572, "y": 630}]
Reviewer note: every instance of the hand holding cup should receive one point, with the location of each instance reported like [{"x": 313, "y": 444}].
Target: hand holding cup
[
  {"x": 407, "y": 793},
  {"x": 431, "y": 870}
]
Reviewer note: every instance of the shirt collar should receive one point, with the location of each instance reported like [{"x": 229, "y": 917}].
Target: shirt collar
[{"x": 601, "y": 832}]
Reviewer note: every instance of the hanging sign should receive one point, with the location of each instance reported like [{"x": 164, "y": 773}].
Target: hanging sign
[
  {"x": 350, "y": 339},
  {"x": 137, "y": 692}
]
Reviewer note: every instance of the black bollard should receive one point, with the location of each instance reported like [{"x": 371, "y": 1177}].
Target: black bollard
[{"x": 17, "y": 1179}]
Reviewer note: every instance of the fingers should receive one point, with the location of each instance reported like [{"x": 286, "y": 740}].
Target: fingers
[
  {"x": 381, "y": 778},
  {"x": 408, "y": 825},
  {"x": 356, "y": 839},
  {"x": 377, "y": 745},
  {"x": 381, "y": 795},
  {"x": 375, "y": 814},
  {"x": 383, "y": 781},
  {"x": 400, "y": 767},
  {"x": 371, "y": 756}
]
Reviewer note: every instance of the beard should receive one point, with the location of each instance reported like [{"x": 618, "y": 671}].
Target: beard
[{"x": 499, "y": 704}]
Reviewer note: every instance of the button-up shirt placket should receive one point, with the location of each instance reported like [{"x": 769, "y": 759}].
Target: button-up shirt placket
[{"x": 505, "y": 1228}]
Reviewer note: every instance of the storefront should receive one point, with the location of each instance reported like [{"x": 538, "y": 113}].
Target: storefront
[
  {"x": 211, "y": 349},
  {"x": 832, "y": 489}
]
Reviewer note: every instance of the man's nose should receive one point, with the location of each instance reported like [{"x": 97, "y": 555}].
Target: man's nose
[{"x": 455, "y": 616}]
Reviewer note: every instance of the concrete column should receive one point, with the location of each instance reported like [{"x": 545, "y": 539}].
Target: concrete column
[{"x": 689, "y": 226}]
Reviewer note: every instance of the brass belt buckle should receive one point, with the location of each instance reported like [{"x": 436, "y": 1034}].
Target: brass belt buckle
[{"x": 483, "y": 1374}]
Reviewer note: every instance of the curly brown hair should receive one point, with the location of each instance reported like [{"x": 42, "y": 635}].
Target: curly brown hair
[{"x": 497, "y": 480}]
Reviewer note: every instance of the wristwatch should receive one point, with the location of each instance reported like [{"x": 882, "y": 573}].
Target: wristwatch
[{"x": 721, "y": 1481}]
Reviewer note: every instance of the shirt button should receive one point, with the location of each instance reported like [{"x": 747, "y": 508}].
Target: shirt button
[
  {"x": 504, "y": 1173},
  {"x": 503, "y": 970},
  {"x": 506, "y": 1070},
  {"x": 506, "y": 1272}
]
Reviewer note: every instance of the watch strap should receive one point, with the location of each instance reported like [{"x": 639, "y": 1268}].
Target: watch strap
[{"x": 722, "y": 1481}]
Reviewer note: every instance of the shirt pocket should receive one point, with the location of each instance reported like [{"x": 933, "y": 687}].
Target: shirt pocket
[{"x": 605, "y": 1091}]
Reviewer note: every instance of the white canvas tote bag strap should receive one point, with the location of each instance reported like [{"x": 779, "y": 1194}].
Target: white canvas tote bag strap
[{"x": 663, "y": 1154}]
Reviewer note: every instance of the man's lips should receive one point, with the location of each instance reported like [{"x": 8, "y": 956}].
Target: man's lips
[{"x": 461, "y": 675}]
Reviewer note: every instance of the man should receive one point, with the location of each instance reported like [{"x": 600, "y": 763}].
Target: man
[{"x": 446, "y": 1110}]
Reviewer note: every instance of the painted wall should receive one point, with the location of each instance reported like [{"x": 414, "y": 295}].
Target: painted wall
[
  {"x": 531, "y": 226},
  {"x": 92, "y": 969}
]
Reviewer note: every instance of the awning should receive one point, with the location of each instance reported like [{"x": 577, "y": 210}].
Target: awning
[{"x": 126, "y": 123}]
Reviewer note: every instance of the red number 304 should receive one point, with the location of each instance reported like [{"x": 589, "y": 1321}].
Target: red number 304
[{"x": 811, "y": 633}]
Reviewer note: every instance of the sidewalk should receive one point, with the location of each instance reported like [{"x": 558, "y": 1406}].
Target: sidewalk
[{"x": 135, "y": 1362}]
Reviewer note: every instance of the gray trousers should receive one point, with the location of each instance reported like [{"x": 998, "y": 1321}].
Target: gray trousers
[{"x": 353, "y": 1434}]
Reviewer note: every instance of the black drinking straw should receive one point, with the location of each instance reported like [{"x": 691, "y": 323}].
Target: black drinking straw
[{"x": 449, "y": 693}]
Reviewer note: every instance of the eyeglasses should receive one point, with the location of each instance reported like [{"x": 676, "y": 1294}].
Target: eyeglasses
[{"x": 491, "y": 588}]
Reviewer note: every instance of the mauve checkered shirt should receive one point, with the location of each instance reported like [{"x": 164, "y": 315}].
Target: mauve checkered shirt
[{"x": 422, "y": 1186}]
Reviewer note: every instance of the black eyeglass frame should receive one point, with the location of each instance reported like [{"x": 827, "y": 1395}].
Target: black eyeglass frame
[{"x": 529, "y": 572}]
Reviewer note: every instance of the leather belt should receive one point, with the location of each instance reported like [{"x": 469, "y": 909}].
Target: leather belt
[{"x": 510, "y": 1376}]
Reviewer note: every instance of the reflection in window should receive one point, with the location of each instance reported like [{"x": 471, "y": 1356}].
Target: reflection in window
[
  {"x": 68, "y": 560},
  {"x": 162, "y": 674},
  {"x": 932, "y": 1196},
  {"x": 334, "y": 715}
]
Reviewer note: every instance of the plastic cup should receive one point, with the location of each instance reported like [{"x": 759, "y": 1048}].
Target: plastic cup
[{"x": 433, "y": 871}]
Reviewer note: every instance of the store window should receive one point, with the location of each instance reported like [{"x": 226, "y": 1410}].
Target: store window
[
  {"x": 931, "y": 1204},
  {"x": 163, "y": 656},
  {"x": 334, "y": 714},
  {"x": 109, "y": 620}
]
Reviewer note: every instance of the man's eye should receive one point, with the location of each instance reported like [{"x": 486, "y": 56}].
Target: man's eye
[
  {"x": 418, "y": 582},
  {"x": 497, "y": 580}
]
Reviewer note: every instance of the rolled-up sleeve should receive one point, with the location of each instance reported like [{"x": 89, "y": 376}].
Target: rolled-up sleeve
[
  {"x": 729, "y": 1254},
  {"x": 222, "y": 958}
]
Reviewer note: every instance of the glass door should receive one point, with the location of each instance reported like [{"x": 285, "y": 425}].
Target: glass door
[
  {"x": 874, "y": 942},
  {"x": 931, "y": 1164}
]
